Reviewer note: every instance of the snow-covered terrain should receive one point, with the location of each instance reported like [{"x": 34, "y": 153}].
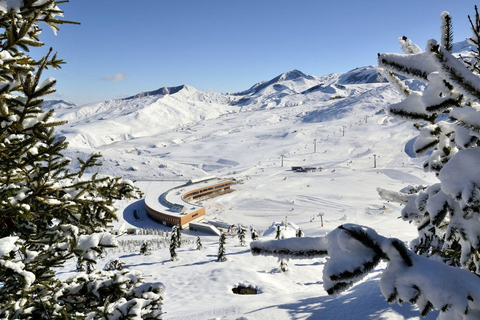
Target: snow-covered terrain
[{"x": 336, "y": 123}]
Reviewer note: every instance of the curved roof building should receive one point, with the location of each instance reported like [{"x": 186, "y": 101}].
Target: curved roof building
[{"x": 177, "y": 206}]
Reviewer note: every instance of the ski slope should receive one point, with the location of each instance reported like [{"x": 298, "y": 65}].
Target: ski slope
[{"x": 336, "y": 122}]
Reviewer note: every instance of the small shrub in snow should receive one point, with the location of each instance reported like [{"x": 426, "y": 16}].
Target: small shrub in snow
[
  {"x": 145, "y": 248},
  {"x": 114, "y": 264}
]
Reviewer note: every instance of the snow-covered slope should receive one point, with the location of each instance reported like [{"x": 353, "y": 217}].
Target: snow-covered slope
[
  {"x": 281, "y": 90},
  {"x": 58, "y": 104},
  {"x": 98, "y": 124},
  {"x": 335, "y": 123},
  {"x": 149, "y": 113},
  {"x": 370, "y": 74},
  {"x": 148, "y": 129}
]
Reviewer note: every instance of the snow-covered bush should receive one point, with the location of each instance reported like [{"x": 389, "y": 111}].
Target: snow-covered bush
[
  {"x": 50, "y": 214},
  {"x": 114, "y": 264}
]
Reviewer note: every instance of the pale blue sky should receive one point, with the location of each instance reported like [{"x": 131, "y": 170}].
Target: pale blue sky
[{"x": 123, "y": 47}]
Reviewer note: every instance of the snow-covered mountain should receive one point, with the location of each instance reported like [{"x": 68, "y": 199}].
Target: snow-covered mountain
[
  {"x": 159, "y": 92},
  {"x": 150, "y": 113},
  {"x": 147, "y": 129},
  {"x": 335, "y": 123},
  {"x": 58, "y": 104},
  {"x": 98, "y": 124},
  {"x": 370, "y": 74},
  {"x": 293, "y": 80}
]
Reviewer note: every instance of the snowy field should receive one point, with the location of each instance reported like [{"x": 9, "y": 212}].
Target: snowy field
[{"x": 336, "y": 123}]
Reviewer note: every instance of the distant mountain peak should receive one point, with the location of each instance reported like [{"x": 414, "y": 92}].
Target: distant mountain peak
[
  {"x": 368, "y": 74},
  {"x": 291, "y": 75},
  {"x": 462, "y": 46},
  {"x": 57, "y": 104},
  {"x": 286, "y": 76},
  {"x": 160, "y": 92}
]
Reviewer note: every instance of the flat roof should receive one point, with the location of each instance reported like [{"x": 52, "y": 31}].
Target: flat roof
[{"x": 171, "y": 201}]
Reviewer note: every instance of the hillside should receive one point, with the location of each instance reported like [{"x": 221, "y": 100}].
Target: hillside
[{"x": 170, "y": 135}]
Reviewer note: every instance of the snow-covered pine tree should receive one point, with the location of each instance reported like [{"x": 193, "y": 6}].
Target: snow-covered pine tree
[
  {"x": 145, "y": 248},
  {"x": 300, "y": 233},
  {"x": 178, "y": 241},
  {"x": 90, "y": 266},
  {"x": 241, "y": 236},
  {"x": 199, "y": 244},
  {"x": 173, "y": 244},
  {"x": 446, "y": 213},
  {"x": 253, "y": 233},
  {"x": 278, "y": 234},
  {"x": 221, "y": 257},
  {"x": 50, "y": 213}
]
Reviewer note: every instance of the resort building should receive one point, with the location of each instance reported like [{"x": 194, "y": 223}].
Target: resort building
[{"x": 178, "y": 206}]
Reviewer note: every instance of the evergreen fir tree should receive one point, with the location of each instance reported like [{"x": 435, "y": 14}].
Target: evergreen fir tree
[
  {"x": 221, "y": 257},
  {"x": 241, "y": 237},
  {"x": 253, "y": 233},
  {"x": 173, "y": 251},
  {"x": 278, "y": 235},
  {"x": 173, "y": 244},
  {"x": 300, "y": 233},
  {"x": 443, "y": 211},
  {"x": 50, "y": 213},
  {"x": 145, "y": 248},
  {"x": 178, "y": 242},
  {"x": 199, "y": 244}
]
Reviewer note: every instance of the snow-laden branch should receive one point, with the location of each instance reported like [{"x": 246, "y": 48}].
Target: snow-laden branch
[
  {"x": 416, "y": 66},
  {"x": 455, "y": 71},
  {"x": 292, "y": 248},
  {"x": 355, "y": 250}
]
